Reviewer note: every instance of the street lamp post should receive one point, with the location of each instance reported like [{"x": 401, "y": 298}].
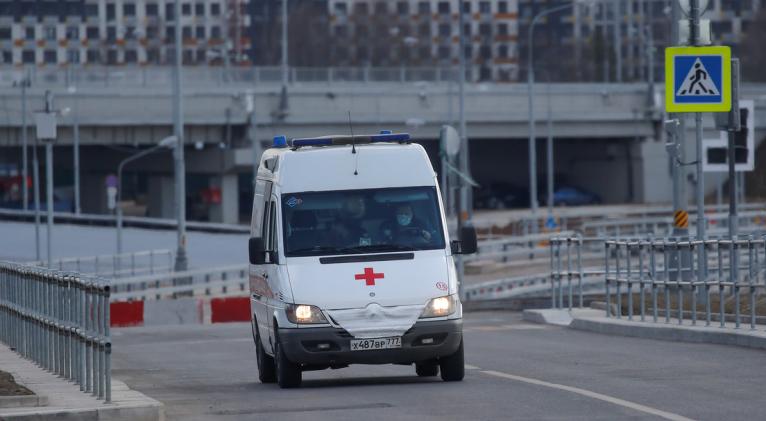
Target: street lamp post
[
  {"x": 530, "y": 92},
  {"x": 168, "y": 142},
  {"x": 181, "y": 262}
]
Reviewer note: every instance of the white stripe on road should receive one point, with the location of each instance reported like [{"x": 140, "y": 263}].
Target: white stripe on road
[
  {"x": 471, "y": 367},
  {"x": 593, "y": 395}
]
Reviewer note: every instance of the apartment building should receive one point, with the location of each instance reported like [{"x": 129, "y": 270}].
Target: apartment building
[
  {"x": 426, "y": 33},
  {"x": 114, "y": 32}
]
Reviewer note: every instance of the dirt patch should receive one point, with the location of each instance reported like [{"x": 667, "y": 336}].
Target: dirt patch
[{"x": 9, "y": 387}]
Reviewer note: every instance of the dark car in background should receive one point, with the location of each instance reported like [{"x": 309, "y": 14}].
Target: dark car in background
[
  {"x": 572, "y": 196},
  {"x": 500, "y": 196}
]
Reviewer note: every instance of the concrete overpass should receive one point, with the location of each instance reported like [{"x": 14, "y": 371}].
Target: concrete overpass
[{"x": 609, "y": 137}]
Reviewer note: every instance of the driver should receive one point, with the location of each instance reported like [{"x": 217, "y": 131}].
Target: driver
[
  {"x": 405, "y": 227},
  {"x": 349, "y": 228}
]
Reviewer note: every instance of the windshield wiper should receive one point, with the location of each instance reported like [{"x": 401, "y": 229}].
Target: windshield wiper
[
  {"x": 315, "y": 249},
  {"x": 379, "y": 248}
]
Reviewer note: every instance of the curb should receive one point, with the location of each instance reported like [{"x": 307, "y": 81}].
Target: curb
[
  {"x": 22, "y": 401},
  {"x": 180, "y": 311}
]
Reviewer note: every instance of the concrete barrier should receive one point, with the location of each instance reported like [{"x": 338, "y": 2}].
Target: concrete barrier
[{"x": 181, "y": 311}]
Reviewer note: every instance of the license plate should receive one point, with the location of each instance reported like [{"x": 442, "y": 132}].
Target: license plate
[{"x": 376, "y": 343}]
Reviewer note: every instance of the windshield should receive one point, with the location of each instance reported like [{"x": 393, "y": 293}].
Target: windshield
[{"x": 361, "y": 221}]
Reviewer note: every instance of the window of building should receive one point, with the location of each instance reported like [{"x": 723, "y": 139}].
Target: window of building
[
  {"x": 467, "y": 29},
  {"x": 403, "y": 8},
  {"x": 186, "y": 32},
  {"x": 341, "y": 31},
  {"x": 199, "y": 32},
  {"x": 424, "y": 8},
  {"x": 91, "y": 32},
  {"x": 73, "y": 56},
  {"x": 7, "y": 57},
  {"x": 129, "y": 9},
  {"x": 445, "y": 29},
  {"x": 444, "y": 52},
  {"x": 130, "y": 32},
  {"x": 199, "y": 9},
  {"x": 131, "y": 56},
  {"x": 485, "y": 29},
  {"x": 443, "y": 8},
  {"x": 361, "y": 31},
  {"x": 50, "y": 33},
  {"x": 381, "y": 8},
  {"x": 485, "y": 7},
  {"x": 360, "y": 9},
  {"x": 188, "y": 57},
  {"x": 341, "y": 54},
  {"x": 49, "y": 56},
  {"x": 28, "y": 56},
  {"x": 215, "y": 32},
  {"x": 170, "y": 33},
  {"x": 111, "y": 57},
  {"x": 111, "y": 33},
  {"x": 502, "y": 51},
  {"x": 424, "y": 29},
  {"x": 502, "y": 7},
  {"x": 215, "y": 9},
  {"x": 29, "y": 32},
  {"x": 425, "y": 52},
  {"x": 341, "y": 9},
  {"x": 5, "y": 33},
  {"x": 502, "y": 29},
  {"x": 110, "y": 12},
  {"x": 362, "y": 54},
  {"x": 201, "y": 56},
  {"x": 93, "y": 56},
  {"x": 466, "y": 7},
  {"x": 170, "y": 11},
  {"x": 152, "y": 32},
  {"x": 468, "y": 51},
  {"x": 91, "y": 9},
  {"x": 73, "y": 32},
  {"x": 153, "y": 56},
  {"x": 152, "y": 9},
  {"x": 186, "y": 9},
  {"x": 485, "y": 52}
]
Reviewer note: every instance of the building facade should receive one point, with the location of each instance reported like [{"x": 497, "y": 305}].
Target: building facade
[
  {"x": 113, "y": 32},
  {"x": 426, "y": 33}
]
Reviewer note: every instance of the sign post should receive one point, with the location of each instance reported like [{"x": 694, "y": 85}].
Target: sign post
[{"x": 46, "y": 131}]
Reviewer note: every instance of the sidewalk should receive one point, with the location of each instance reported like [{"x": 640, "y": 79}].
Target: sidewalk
[
  {"x": 66, "y": 402},
  {"x": 596, "y": 321}
]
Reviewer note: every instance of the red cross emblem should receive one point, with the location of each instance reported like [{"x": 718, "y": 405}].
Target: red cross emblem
[{"x": 369, "y": 276}]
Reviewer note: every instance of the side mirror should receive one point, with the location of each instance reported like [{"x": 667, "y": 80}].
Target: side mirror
[
  {"x": 467, "y": 243},
  {"x": 256, "y": 251}
]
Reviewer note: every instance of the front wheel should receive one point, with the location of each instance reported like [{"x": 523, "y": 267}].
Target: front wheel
[
  {"x": 288, "y": 373},
  {"x": 453, "y": 366},
  {"x": 266, "y": 369}
]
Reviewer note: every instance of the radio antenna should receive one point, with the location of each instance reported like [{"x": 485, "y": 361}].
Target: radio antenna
[{"x": 353, "y": 144}]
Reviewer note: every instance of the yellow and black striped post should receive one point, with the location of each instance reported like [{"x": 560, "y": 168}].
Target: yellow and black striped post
[{"x": 681, "y": 219}]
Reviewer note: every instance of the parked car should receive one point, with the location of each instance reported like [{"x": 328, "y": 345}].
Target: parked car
[
  {"x": 500, "y": 196},
  {"x": 572, "y": 196}
]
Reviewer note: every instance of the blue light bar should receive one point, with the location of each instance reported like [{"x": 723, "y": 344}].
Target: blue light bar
[
  {"x": 390, "y": 137},
  {"x": 351, "y": 140}
]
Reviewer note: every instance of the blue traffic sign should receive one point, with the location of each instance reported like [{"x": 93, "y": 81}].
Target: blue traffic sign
[{"x": 698, "y": 79}]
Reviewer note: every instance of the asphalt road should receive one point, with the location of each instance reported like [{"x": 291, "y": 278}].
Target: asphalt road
[{"x": 516, "y": 371}]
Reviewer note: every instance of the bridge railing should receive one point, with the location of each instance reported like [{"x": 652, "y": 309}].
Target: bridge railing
[
  {"x": 198, "y": 282},
  {"x": 59, "y": 320}
]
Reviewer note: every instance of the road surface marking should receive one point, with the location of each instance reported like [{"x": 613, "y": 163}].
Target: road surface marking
[
  {"x": 505, "y": 327},
  {"x": 471, "y": 367},
  {"x": 593, "y": 395}
]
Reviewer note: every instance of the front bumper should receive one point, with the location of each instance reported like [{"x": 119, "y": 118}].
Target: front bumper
[{"x": 302, "y": 345}]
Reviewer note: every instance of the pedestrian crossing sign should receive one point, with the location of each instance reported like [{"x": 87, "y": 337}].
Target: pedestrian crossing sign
[{"x": 697, "y": 79}]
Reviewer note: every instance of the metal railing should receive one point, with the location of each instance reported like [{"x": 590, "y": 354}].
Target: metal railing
[
  {"x": 160, "y": 76},
  {"x": 214, "y": 281},
  {"x": 511, "y": 248},
  {"x": 60, "y": 321},
  {"x": 673, "y": 272},
  {"x": 138, "y": 263},
  {"x": 569, "y": 277}
]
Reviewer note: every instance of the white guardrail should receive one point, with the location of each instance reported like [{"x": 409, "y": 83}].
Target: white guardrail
[{"x": 145, "y": 262}]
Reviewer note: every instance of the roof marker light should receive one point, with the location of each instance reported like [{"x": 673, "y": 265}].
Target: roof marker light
[
  {"x": 386, "y": 132},
  {"x": 351, "y": 140},
  {"x": 280, "y": 142}
]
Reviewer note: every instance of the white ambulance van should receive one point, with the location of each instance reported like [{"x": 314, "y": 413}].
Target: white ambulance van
[{"x": 350, "y": 259}]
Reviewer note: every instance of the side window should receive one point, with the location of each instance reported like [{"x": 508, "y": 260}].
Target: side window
[
  {"x": 256, "y": 223},
  {"x": 265, "y": 228},
  {"x": 272, "y": 239}
]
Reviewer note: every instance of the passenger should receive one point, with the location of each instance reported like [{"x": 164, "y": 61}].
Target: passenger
[
  {"x": 349, "y": 229},
  {"x": 405, "y": 227}
]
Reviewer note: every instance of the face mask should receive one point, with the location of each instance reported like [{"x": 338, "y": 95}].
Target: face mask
[{"x": 403, "y": 219}]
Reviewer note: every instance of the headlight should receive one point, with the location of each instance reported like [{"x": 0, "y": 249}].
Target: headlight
[
  {"x": 304, "y": 314},
  {"x": 440, "y": 307}
]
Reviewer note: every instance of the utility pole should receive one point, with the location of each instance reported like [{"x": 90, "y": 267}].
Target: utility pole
[
  {"x": 46, "y": 131},
  {"x": 463, "y": 216},
  {"x": 695, "y": 40},
  {"x": 617, "y": 15},
  {"x": 676, "y": 146},
  {"x": 76, "y": 149},
  {"x": 24, "y": 141},
  {"x": 285, "y": 69},
  {"x": 181, "y": 262}
]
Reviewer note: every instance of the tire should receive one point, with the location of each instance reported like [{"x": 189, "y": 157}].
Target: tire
[
  {"x": 288, "y": 373},
  {"x": 453, "y": 366},
  {"x": 266, "y": 369},
  {"x": 427, "y": 369}
]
